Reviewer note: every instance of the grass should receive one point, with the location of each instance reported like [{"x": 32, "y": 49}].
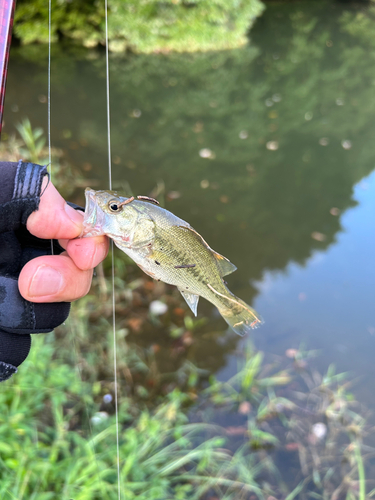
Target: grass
[{"x": 51, "y": 446}]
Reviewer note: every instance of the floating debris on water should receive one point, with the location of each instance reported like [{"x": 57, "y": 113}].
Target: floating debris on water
[
  {"x": 136, "y": 113},
  {"x": 324, "y": 141},
  {"x": 207, "y": 153},
  {"x": 335, "y": 211},
  {"x": 318, "y": 236},
  {"x": 346, "y": 144},
  {"x": 173, "y": 195},
  {"x": 272, "y": 145},
  {"x": 205, "y": 184}
]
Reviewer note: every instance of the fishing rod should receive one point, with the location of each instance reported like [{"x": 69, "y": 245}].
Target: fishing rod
[{"x": 7, "y": 8}]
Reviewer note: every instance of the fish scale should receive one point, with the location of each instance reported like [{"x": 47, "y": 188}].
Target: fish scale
[{"x": 161, "y": 244}]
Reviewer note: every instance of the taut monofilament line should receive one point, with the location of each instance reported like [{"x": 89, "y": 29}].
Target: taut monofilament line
[
  {"x": 49, "y": 97},
  {"x": 112, "y": 251},
  {"x": 49, "y": 88},
  {"x": 110, "y": 185}
]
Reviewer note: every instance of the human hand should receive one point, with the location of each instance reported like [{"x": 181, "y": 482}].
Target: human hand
[
  {"x": 64, "y": 277},
  {"x": 36, "y": 287}
]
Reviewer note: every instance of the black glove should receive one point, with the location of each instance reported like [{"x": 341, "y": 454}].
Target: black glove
[{"x": 20, "y": 192}]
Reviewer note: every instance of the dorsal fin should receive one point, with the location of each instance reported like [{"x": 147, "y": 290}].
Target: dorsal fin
[{"x": 225, "y": 265}]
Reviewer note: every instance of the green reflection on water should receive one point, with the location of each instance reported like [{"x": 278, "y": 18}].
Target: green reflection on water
[{"x": 287, "y": 125}]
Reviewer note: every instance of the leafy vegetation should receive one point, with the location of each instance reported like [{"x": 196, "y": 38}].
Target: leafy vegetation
[
  {"x": 32, "y": 145},
  {"x": 148, "y": 26}
]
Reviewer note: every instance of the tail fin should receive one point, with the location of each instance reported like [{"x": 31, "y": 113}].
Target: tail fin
[{"x": 240, "y": 317}]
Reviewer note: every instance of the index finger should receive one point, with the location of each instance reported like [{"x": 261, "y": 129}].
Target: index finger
[{"x": 54, "y": 218}]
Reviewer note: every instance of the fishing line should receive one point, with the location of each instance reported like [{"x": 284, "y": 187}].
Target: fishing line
[
  {"x": 52, "y": 252},
  {"x": 49, "y": 97},
  {"x": 112, "y": 252},
  {"x": 49, "y": 87},
  {"x": 110, "y": 187}
]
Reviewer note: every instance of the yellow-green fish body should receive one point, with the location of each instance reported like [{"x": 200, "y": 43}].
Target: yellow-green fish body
[{"x": 168, "y": 249}]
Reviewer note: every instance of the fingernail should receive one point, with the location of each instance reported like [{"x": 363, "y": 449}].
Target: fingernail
[
  {"x": 74, "y": 215},
  {"x": 46, "y": 281}
]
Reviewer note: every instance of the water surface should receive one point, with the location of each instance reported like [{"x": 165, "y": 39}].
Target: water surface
[{"x": 270, "y": 149}]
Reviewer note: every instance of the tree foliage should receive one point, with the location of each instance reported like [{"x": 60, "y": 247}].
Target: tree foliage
[{"x": 147, "y": 26}]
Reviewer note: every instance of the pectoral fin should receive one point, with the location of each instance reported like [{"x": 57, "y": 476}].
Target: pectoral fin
[{"x": 191, "y": 300}]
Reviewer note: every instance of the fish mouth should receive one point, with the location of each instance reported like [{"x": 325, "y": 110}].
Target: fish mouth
[{"x": 93, "y": 221}]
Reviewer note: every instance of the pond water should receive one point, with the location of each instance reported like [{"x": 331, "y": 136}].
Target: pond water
[{"x": 268, "y": 151}]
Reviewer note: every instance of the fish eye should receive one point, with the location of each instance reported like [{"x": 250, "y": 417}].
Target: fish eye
[{"x": 114, "y": 206}]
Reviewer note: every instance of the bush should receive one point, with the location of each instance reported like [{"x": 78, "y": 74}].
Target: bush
[{"x": 148, "y": 26}]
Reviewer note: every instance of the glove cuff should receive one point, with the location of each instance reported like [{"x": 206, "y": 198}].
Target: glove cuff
[
  {"x": 13, "y": 351},
  {"x": 6, "y": 371},
  {"x": 25, "y": 198}
]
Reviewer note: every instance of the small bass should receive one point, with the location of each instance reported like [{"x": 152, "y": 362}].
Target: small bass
[{"x": 168, "y": 249}]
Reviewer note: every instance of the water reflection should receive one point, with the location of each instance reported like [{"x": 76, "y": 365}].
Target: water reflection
[
  {"x": 263, "y": 145},
  {"x": 328, "y": 303}
]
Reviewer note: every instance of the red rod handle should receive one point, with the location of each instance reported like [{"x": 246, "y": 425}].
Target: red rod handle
[{"x": 6, "y": 24}]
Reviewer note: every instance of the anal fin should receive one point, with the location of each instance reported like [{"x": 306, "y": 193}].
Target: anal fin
[{"x": 191, "y": 300}]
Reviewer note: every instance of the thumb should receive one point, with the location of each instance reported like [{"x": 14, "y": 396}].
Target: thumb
[{"x": 55, "y": 218}]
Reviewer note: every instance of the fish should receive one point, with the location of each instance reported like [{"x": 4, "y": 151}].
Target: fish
[{"x": 168, "y": 249}]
